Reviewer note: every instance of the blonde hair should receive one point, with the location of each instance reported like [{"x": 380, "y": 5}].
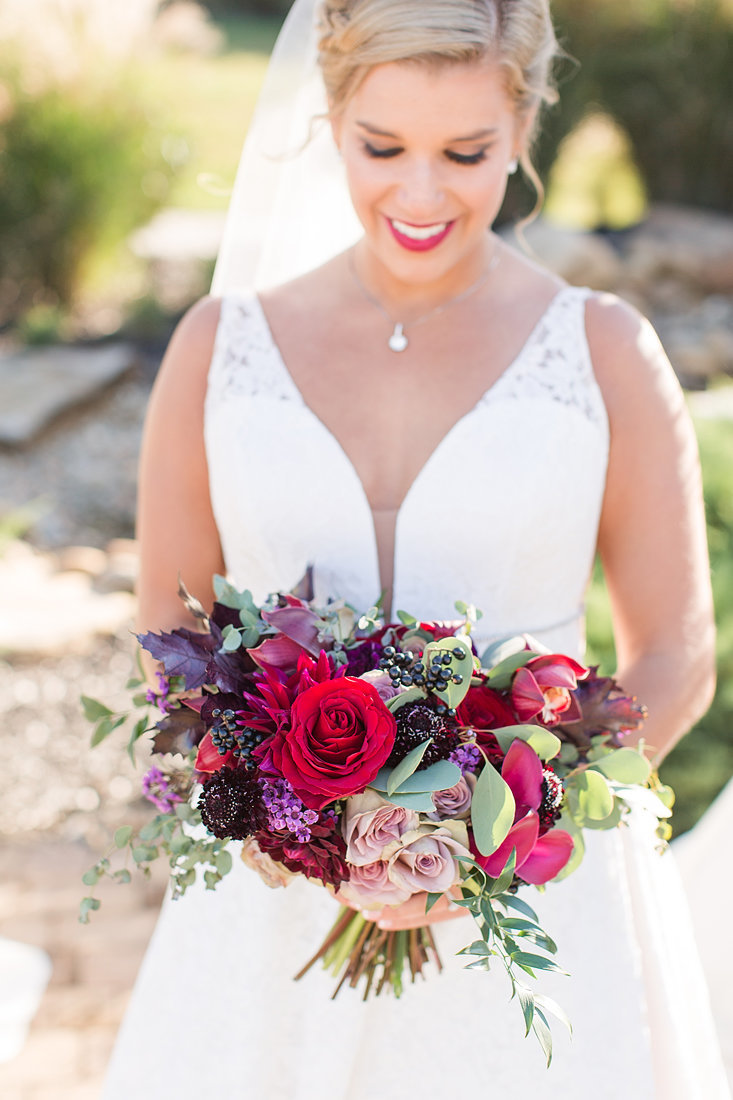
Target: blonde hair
[{"x": 356, "y": 35}]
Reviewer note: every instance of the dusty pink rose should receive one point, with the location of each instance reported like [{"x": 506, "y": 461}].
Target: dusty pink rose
[
  {"x": 426, "y": 861},
  {"x": 381, "y": 681},
  {"x": 370, "y": 887},
  {"x": 272, "y": 874},
  {"x": 371, "y": 825},
  {"x": 456, "y": 800}
]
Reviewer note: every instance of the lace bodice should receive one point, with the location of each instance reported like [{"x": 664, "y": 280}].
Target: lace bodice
[{"x": 517, "y": 540}]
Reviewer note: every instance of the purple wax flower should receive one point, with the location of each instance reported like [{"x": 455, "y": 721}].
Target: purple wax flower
[
  {"x": 158, "y": 790},
  {"x": 285, "y": 810},
  {"x": 467, "y": 757}
]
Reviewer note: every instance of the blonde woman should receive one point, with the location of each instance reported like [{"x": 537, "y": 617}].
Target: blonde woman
[{"x": 430, "y": 414}]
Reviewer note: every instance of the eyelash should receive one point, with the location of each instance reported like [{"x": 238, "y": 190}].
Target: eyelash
[{"x": 457, "y": 158}]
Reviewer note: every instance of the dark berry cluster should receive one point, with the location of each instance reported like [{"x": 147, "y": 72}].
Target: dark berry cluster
[
  {"x": 418, "y": 721},
  {"x": 439, "y": 674},
  {"x": 231, "y": 804},
  {"x": 552, "y": 795},
  {"x": 404, "y": 671},
  {"x": 402, "y": 668},
  {"x": 228, "y": 736}
]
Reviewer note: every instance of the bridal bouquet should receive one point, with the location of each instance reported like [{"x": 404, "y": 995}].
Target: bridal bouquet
[{"x": 380, "y": 761}]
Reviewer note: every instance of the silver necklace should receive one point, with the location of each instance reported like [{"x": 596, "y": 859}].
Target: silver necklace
[{"x": 398, "y": 341}]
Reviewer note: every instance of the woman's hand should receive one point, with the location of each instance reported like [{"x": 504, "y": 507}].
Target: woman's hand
[{"x": 411, "y": 914}]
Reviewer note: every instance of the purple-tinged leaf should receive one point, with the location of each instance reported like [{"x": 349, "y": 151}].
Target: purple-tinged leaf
[
  {"x": 182, "y": 652},
  {"x": 604, "y": 709},
  {"x": 179, "y": 731},
  {"x": 298, "y": 623}
]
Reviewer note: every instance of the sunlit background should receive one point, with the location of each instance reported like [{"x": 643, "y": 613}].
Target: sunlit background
[{"x": 121, "y": 125}]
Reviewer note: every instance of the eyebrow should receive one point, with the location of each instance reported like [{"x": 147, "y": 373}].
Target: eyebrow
[{"x": 476, "y": 136}]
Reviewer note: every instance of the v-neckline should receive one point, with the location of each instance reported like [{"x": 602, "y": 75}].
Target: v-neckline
[{"x": 484, "y": 396}]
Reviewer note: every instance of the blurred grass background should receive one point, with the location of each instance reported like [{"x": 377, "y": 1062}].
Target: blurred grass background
[{"x": 90, "y": 148}]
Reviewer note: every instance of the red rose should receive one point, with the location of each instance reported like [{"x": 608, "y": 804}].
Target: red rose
[
  {"x": 340, "y": 735},
  {"x": 485, "y": 709}
]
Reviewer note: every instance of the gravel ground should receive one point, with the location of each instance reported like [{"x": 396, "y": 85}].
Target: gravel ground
[{"x": 61, "y": 799}]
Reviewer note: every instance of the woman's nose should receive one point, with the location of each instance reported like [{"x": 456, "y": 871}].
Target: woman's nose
[{"x": 420, "y": 187}]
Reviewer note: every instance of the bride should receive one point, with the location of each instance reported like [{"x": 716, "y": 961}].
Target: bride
[{"x": 430, "y": 414}]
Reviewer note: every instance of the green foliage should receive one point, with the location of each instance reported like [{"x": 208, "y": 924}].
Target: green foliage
[
  {"x": 663, "y": 71},
  {"x": 700, "y": 765},
  {"x": 80, "y": 167}
]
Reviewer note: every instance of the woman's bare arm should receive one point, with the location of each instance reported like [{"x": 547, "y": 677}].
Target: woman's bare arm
[
  {"x": 175, "y": 525},
  {"x": 652, "y": 538}
]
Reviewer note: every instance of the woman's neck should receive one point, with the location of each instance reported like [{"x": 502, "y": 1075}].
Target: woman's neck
[{"x": 404, "y": 300}]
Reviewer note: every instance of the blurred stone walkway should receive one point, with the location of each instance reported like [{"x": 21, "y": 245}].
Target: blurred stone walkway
[{"x": 94, "y": 965}]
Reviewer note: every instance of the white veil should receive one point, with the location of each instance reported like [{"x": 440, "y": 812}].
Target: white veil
[{"x": 290, "y": 209}]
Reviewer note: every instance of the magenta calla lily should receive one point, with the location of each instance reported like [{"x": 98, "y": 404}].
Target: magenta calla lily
[
  {"x": 522, "y": 772},
  {"x": 542, "y": 688},
  {"x": 539, "y": 858}
]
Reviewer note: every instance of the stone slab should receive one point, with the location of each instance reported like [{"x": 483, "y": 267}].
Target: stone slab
[{"x": 37, "y": 384}]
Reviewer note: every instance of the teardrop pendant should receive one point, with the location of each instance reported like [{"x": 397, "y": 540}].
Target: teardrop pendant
[{"x": 398, "y": 341}]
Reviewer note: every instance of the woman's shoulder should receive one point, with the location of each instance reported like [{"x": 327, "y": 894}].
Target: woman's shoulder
[{"x": 629, "y": 362}]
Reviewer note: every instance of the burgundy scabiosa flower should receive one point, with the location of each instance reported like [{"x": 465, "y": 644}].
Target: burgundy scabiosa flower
[
  {"x": 231, "y": 804},
  {"x": 416, "y": 722}
]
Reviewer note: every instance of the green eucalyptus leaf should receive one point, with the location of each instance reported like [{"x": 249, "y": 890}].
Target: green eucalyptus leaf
[
  {"x": 407, "y": 766},
  {"x": 502, "y": 649},
  {"x": 93, "y": 709},
  {"x": 123, "y": 835},
  {"x": 546, "y": 744},
  {"x": 143, "y": 853},
  {"x": 231, "y": 639},
  {"x": 421, "y": 801},
  {"x": 410, "y": 696},
  {"x": 438, "y": 777},
  {"x": 90, "y": 878},
  {"x": 122, "y": 876},
  {"x": 492, "y": 810},
  {"x": 610, "y": 822},
  {"x": 500, "y": 676},
  {"x": 406, "y": 619},
  {"x": 595, "y": 799},
  {"x": 87, "y": 905},
  {"x": 223, "y": 862},
  {"x": 567, "y": 823},
  {"x": 624, "y": 766}
]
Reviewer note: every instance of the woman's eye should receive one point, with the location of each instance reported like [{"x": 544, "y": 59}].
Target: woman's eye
[
  {"x": 373, "y": 151},
  {"x": 466, "y": 158}
]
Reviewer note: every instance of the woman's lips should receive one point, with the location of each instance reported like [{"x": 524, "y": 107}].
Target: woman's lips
[{"x": 419, "y": 238}]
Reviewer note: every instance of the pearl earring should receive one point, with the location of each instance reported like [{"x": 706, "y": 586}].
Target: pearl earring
[{"x": 512, "y": 166}]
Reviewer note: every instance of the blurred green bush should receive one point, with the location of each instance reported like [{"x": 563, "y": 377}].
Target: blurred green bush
[
  {"x": 80, "y": 166},
  {"x": 664, "y": 71}
]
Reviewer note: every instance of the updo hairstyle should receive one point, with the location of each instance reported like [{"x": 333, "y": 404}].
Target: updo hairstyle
[{"x": 356, "y": 35}]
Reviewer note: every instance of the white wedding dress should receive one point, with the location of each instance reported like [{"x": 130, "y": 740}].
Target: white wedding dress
[{"x": 215, "y": 1010}]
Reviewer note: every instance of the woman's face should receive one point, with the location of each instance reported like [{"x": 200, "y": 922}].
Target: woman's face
[{"x": 426, "y": 149}]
